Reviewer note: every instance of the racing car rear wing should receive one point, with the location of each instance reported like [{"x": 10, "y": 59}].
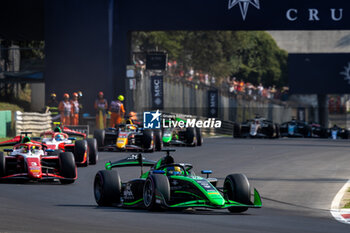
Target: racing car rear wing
[
  {"x": 14, "y": 141},
  {"x": 135, "y": 160},
  {"x": 11, "y": 142},
  {"x": 73, "y": 132}
]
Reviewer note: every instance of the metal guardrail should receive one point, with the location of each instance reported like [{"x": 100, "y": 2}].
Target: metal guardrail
[{"x": 226, "y": 128}]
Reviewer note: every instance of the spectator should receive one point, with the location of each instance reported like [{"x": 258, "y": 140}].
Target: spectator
[
  {"x": 75, "y": 109},
  {"x": 260, "y": 89},
  {"x": 101, "y": 107},
  {"x": 65, "y": 108},
  {"x": 117, "y": 111},
  {"x": 52, "y": 107}
]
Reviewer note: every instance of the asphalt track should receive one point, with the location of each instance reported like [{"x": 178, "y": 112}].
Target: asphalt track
[{"x": 297, "y": 178}]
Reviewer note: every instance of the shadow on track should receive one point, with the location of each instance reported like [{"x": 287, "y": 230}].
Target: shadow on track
[
  {"x": 316, "y": 180},
  {"x": 294, "y": 205},
  {"x": 168, "y": 211}
]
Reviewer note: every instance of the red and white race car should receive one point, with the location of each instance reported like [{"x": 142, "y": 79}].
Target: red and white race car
[
  {"x": 29, "y": 160},
  {"x": 85, "y": 151}
]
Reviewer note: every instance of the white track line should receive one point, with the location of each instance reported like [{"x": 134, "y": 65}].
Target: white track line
[{"x": 336, "y": 210}]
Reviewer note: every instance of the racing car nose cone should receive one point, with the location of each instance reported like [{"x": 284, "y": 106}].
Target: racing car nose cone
[
  {"x": 218, "y": 201},
  {"x": 121, "y": 143}
]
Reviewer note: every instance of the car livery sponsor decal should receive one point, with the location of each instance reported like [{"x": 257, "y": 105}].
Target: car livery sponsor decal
[
  {"x": 128, "y": 195},
  {"x": 291, "y": 129},
  {"x": 206, "y": 185}
]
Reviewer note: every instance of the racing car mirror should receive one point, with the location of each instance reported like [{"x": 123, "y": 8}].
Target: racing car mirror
[
  {"x": 8, "y": 150},
  {"x": 207, "y": 172},
  {"x": 158, "y": 172}
]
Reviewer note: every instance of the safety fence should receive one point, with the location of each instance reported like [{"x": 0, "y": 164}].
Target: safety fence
[
  {"x": 190, "y": 98},
  {"x": 36, "y": 123}
]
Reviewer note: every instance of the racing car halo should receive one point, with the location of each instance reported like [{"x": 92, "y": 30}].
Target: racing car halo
[{"x": 170, "y": 185}]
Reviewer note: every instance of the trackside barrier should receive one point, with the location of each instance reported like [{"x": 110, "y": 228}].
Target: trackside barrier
[
  {"x": 32, "y": 122},
  {"x": 226, "y": 128},
  {"x": 5, "y": 123}
]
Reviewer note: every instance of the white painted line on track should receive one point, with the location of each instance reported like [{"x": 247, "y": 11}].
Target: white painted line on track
[{"x": 341, "y": 215}]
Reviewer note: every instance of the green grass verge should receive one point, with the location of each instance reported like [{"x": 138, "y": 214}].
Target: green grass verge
[
  {"x": 347, "y": 205},
  {"x": 5, "y": 147},
  {"x": 10, "y": 107}
]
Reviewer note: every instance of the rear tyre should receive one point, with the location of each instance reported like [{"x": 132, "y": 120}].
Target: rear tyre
[
  {"x": 158, "y": 140},
  {"x": 100, "y": 136},
  {"x": 81, "y": 153},
  {"x": 155, "y": 184},
  {"x": 236, "y": 131},
  {"x": 67, "y": 167},
  {"x": 237, "y": 188},
  {"x": 2, "y": 165},
  {"x": 278, "y": 133},
  {"x": 308, "y": 132},
  {"x": 147, "y": 140},
  {"x": 107, "y": 188},
  {"x": 191, "y": 137},
  {"x": 93, "y": 152},
  {"x": 199, "y": 137}
]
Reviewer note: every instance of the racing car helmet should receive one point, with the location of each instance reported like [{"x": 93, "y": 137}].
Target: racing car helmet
[
  {"x": 59, "y": 137},
  {"x": 26, "y": 139},
  {"x": 24, "y": 149},
  {"x": 121, "y": 98},
  {"x": 173, "y": 171},
  {"x": 133, "y": 116},
  {"x": 131, "y": 127},
  {"x": 57, "y": 130}
]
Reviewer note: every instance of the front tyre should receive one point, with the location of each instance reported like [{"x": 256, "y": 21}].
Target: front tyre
[
  {"x": 148, "y": 141},
  {"x": 237, "y": 188},
  {"x": 158, "y": 140},
  {"x": 191, "y": 139},
  {"x": 199, "y": 136},
  {"x": 100, "y": 136},
  {"x": 93, "y": 152},
  {"x": 2, "y": 165},
  {"x": 67, "y": 167},
  {"x": 107, "y": 188},
  {"x": 156, "y": 185}
]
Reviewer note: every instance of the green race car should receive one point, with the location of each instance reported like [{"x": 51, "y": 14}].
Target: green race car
[
  {"x": 171, "y": 185},
  {"x": 177, "y": 136}
]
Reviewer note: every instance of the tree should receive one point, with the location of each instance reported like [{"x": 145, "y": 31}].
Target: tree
[{"x": 248, "y": 55}]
